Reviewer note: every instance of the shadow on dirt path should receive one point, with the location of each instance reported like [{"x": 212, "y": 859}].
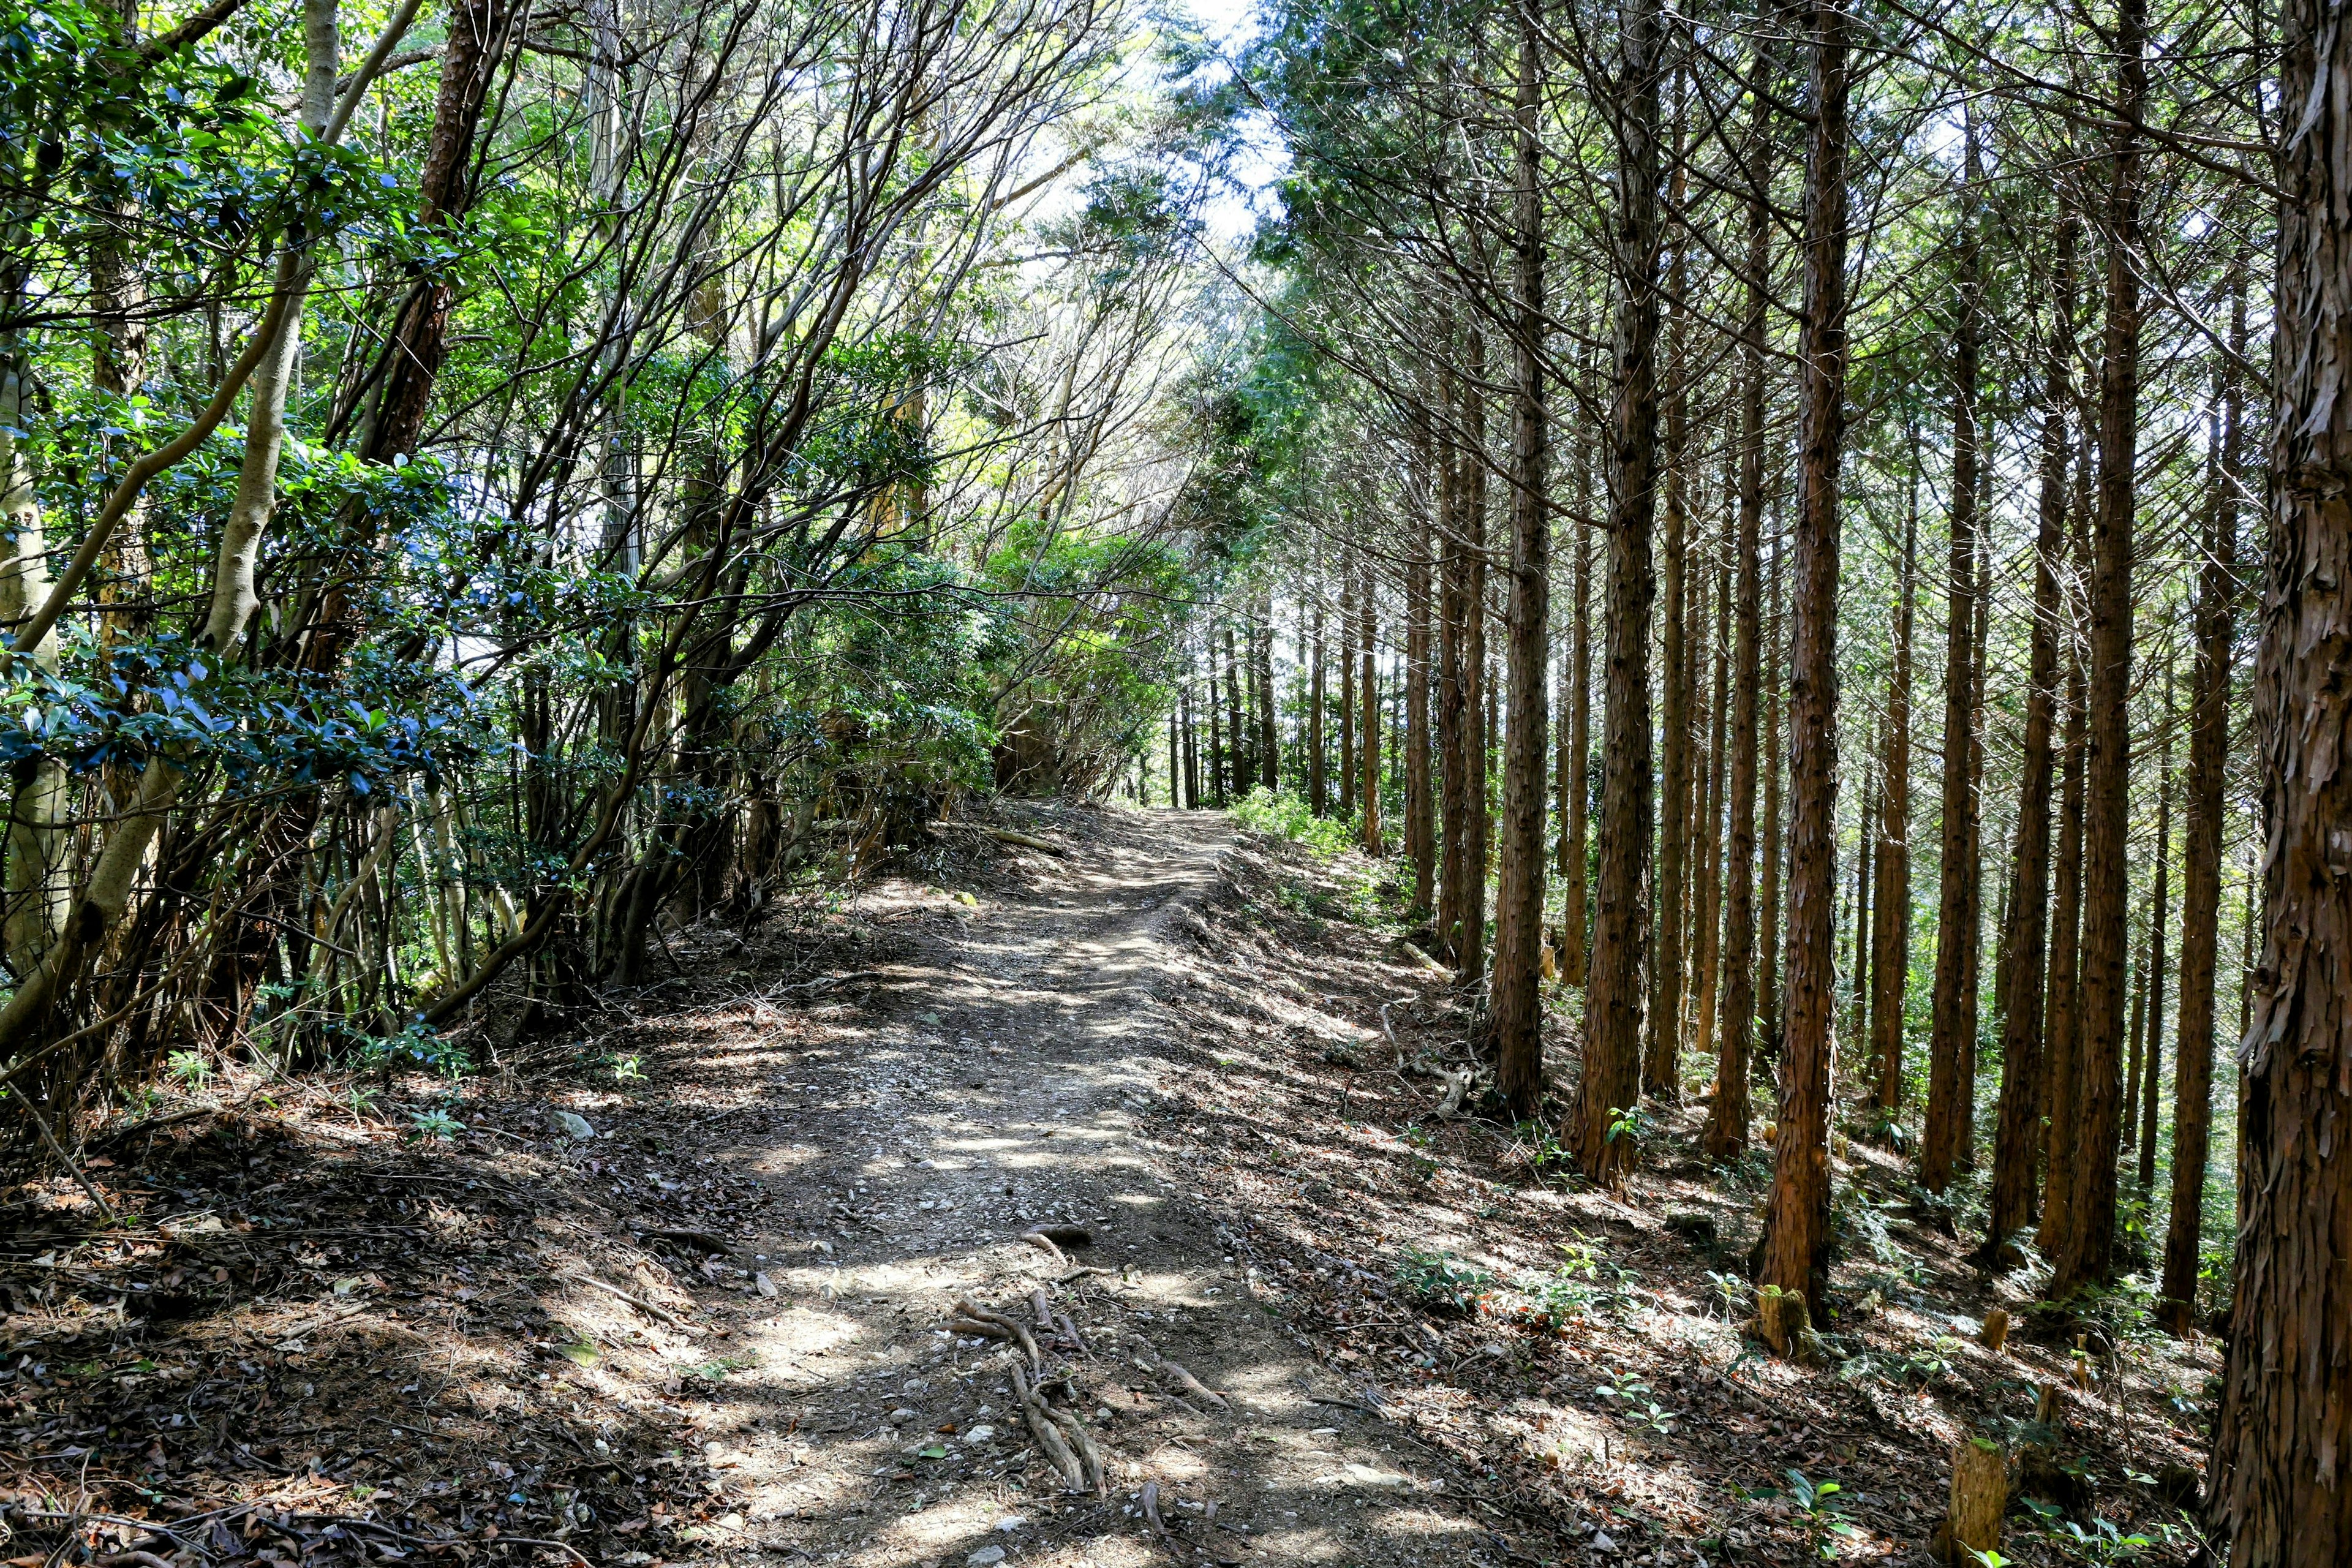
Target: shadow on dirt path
[{"x": 993, "y": 1089}]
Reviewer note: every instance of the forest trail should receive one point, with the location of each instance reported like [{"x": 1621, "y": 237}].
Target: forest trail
[
  {"x": 998, "y": 1090},
  {"x": 673, "y": 1278}
]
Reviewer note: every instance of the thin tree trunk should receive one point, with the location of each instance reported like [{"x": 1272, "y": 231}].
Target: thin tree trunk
[
  {"x": 1964, "y": 1156},
  {"x": 1940, "y": 1142},
  {"x": 1865, "y": 846},
  {"x": 2201, "y": 891},
  {"x": 2087, "y": 1251},
  {"x": 1710, "y": 887},
  {"x": 1576, "y": 746},
  {"x": 1347, "y": 630},
  {"x": 1726, "y": 1134},
  {"x": 1269, "y": 742},
  {"x": 2062, "y": 1095},
  {"x": 1661, "y": 1064},
  {"x": 1768, "y": 1017},
  {"x": 1319, "y": 782},
  {"x": 1796, "y": 1226},
  {"x": 1611, "y": 1084},
  {"x": 2159, "y": 911},
  {"x": 2024, "y": 949},
  {"x": 1520, "y": 886},
  {"x": 1890, "y": 956},
  {"x": 1420, "y": 814},
  {"x": 1477, "y": 695},
  {"x": 1367, "y": 708}
]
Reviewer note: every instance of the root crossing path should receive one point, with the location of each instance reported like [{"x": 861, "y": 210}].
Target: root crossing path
[{"x": 992, "y": 1080}]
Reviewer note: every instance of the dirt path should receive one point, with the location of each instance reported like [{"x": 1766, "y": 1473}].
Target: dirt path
[{"x": 1003, "y": 1065}]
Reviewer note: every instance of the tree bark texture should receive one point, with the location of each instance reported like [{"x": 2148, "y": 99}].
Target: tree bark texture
[
  {"x": 2086, "y": 1254},
  {"x": 2204, "y": 801},
  {"x": 1796, "y": 1233},
  {"x": 1611, "y": 1078},
  {"x": 2024, "y": 951},
  {"x": 1520, "y": 890},
  {"x": 2280, "y": 1495}
]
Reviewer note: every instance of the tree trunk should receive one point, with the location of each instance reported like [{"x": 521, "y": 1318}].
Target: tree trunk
[
  {"x": 1611, "y": 1079},
  {"x": 2201, "y": 890},
  {"x": 1368, "y": 709},
  {"x": 2016, "y": 1149},
  {"x": 1890, "y": 955},
  {"x": 1940, "y": 1142},
  {"x": 1520, "y": 886},
  {"x": 1319, "y": 782},
  {"x": 2152, "y": 1063},
  {"x": 2087, "y": 1251},
  {"x": 1972, "y": 994},
  {"x": 1576, "y": 746},
  {"x": 1796, "y": 1233},
  {"x": 1768, "y": 1017},
  {"x": 1710, "y": 902},
  {"x": 1662, "y": 1063},
  {"x": 1347, "y": 629},
  {"x": 2062, "y": 1094},
  {"x": 1420, "y": 815},
  {"x": 1725, "y": 1133},
  {"x": 2280, "y": 1497},
  {"x": 1477, "y": 693}
]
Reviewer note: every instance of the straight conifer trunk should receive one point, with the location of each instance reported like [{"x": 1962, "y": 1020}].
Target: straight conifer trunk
[
  {"x": 2016, "y": 1149},
  {"x": 1347, "y": 630},
  {"x": 1796, "y": 1233},
  {"x": 1367, "y": 708},
  {"x": 1454, "y": 687},
  {"x": 1939, "y": 1148},
  {"x": 2063, "y": 1008},
  {"x": 1611, "y": 1079},
  {"x": 2152, "y": 1068},
  {"x": 1420, "y": 814},
  {"x": 1725, "y": 1133},
  {"x": 1768, "y": 1017},
  {"x": 1890, "y": 947},
  {"x": 1319, "y": 782},
  {"x": 2086, "y": 1254},
  {"x": 1520, "y": 890},
  {"x": 2201, "y": 891},
  {"x": 1576, "y": 755},
  {"x": 2280, "y": 1495},
  {"x": 1661, "y": 1066}
]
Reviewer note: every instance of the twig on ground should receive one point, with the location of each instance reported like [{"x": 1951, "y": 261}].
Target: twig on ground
[{"x": 642, "y": 1305}]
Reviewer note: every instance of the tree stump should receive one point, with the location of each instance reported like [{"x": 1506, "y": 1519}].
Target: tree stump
[
  {"x": 1979, "y": 1497},
  {"x": 1784, "y": 1324}
]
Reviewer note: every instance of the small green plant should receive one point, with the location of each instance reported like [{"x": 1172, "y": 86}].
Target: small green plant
[
  {"x": 190, "y": 1070},
  {"x": 2102, "y": 1542},
  {"x": 625, "y": 1070},
  {"x": 1440, "y": 1283},
  {"x": 1818, "y": 1513},
  {"x": 1633, "y": 1124},
  {"x": 1731, "y": 1293},
  {"x": 1633, "y": 1396},
  {"x": 415, "y": 1046},
  {"x": 1543, "y": 1150},
  {"x": 428, "y": 1125}
]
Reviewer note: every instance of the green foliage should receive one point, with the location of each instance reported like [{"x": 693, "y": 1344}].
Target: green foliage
[
  {"x": 1440, "y": 1283},
  {"x": 427, "y": 1126},
  {"x": 1282, "y": 813}
]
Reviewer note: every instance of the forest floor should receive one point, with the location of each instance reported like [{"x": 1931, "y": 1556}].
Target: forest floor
[{"x": 677, "y": 1282}]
